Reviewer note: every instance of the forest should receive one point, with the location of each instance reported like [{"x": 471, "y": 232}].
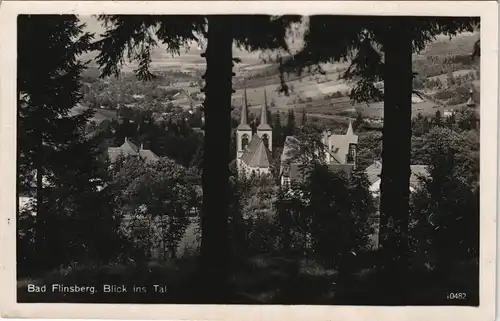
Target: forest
[{"x": 328, "y": 240}]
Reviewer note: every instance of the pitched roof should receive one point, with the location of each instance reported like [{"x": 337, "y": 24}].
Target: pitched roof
[
  {"x": 256, "y": 154},
  {"x": 148, "y": 155},
  {"x": 130, "y": 149},
  {"x": 114, "y": 153},
  {"x": 339, "y": 145},
  {"x": 374, "y": 170}
]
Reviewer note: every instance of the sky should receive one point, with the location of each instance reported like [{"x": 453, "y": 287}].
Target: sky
[{"x": 94, "y": 26}]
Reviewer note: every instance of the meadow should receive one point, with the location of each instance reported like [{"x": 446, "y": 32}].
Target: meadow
[{"x": 321, "y": 96}]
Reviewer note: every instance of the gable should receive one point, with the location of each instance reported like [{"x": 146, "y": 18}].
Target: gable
[
  {"x": 339, "y": 146},
  {"x": 256, "y": 154}
]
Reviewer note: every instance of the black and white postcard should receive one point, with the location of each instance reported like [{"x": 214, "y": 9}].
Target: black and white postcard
[{"x": 249, "y": 160}]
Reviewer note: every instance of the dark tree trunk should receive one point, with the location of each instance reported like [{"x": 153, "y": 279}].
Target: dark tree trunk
[
  {"x": 395, "y": 180},
  {"x": 215, "y": 180},
  {"x": 41, "y": 223}
]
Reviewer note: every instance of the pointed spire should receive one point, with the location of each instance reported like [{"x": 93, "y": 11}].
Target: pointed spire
[
  {"x": 263, "y": 115},
  {"x": 244, "y": 113},
  {"x": 126, "y": 140},
  {"x": 265, "y": 98},
  {"x": 350, "y": 131},
  {"x": 470, "y": 101}
]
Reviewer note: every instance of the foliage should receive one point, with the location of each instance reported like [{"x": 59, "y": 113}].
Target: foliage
[
  {"x": 137, "y": 35},
  {"x": 329, "y": 216},
  {"x": 369, "y": 149},
  {"x": 58, "y": 164},
  {"x": 307, "y": 147},
  {"x": 162, "y": 192},
  {"x": 380, "y": 48},
  {"x": 446, "y": 208}
]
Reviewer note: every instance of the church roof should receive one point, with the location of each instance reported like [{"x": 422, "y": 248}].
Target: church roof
[
  {"x": 263, "y": 116},
  {"x": 244, "y": 115},
  {"x": 257, "y": 154}
]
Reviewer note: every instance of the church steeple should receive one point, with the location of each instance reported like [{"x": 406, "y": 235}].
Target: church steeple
[
  {"x": 243, "y": 132},
  {"x": 264, "y": 130},
  {"x": 263, "y": 115},
  {"x": 244, "y": 114}
]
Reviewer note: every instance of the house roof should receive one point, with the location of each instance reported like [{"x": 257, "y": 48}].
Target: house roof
[
  {"x": 256, "y": 154},
  {"x": 374, "y": 170},
  {"x": 339, "y": 145},
  {"x": 148, "y": 155},
  {"x": 130, "y": 149},
  {"x": 339, "y": 148}
]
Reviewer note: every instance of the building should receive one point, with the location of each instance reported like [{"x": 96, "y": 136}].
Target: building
[
  {"x": 130, "y": 149},
  {"x": 339, "y": 151},
  {"x": 373, "y": 173},
  {"x": 254, "y": 150},
  {"x": 470, "y": 102}
]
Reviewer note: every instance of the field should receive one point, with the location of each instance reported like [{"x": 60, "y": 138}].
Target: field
[
  {"x": 99, "y": 114},
  {"x": 322, "y": 96}
]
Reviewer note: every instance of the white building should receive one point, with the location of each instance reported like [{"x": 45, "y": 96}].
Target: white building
[
  {"x": 253, "y": 151},
  {"x": 373, "y": 173},
  {"x": 339, "y": 150}
]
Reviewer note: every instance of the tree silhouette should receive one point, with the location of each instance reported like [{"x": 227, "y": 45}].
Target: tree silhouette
[
  {"x": 48, "y": 88},
  {"x": 135, "y": 35},
  {"x": 362, "y": 40}
]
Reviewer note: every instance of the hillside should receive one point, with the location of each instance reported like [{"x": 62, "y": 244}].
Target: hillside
[{"x": 445, "y": 75}]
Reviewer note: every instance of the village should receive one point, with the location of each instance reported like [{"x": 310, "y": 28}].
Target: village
[{"x": 305, "y": 184}]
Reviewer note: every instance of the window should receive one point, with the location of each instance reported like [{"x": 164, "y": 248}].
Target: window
[
  {"x": 244, "y": 142},
  {"x": 286, "y": 182},
  {"x": 265, "y": 139},
  {"x": 352, "y": 153}
]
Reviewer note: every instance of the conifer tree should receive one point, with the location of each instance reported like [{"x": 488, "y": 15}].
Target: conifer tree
[
  {"x": 277, "y": 130},
  {"x": 218, "y": 33},
  {"x": 290, "y": 124},
  {"x": 54, "y": 152},
  {"x": 381, "y": 48},
  {"x": 304, "y": 117}
]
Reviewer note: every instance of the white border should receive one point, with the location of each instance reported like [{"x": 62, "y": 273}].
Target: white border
[{"x": 487, "y": 10}]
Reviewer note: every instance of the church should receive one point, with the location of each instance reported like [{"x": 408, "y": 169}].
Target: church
[{"x": 254, "y": 150}]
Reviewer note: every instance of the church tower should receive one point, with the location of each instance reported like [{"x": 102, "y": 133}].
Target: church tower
[
  {"x": 264, "y": 130},
  {"x": 244, "y": 131}
]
